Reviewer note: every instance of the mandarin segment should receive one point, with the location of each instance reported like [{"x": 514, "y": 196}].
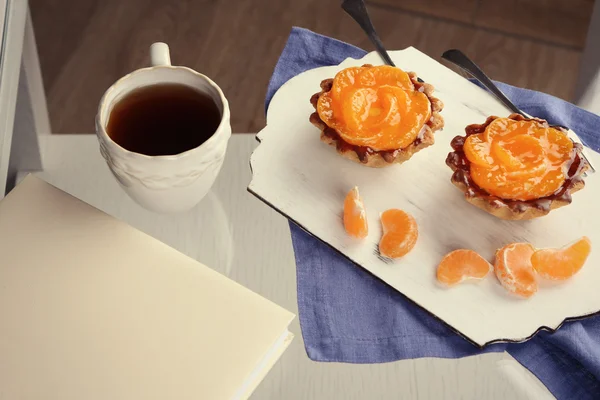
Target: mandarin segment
[
  {"x": 324, "y": 107},
  {"x": 559, "y": 146},
  {"x": 343, "y": 80},
  {"x": 477, "y": 151},
  {"x": 561, "y": 264},
  {"x": 518, "y": 152},
  {"x": 355, "y": 215},
  {"x": 359, "y": 108},
  {"x": 550, "y": 184},
  {"x": 400, "y": 233},
  {"x": 460, "y": 265},
  {"x": 385, "y": 75},
  {"x": 496, "y": 183},
  {"x": 499, "y": 127},
  {"x": 514, "y": 270}
]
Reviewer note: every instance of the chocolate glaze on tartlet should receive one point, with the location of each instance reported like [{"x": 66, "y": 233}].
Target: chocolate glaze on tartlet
[
  {"x": 507, "y": 208},
  {"x": 381, "y": 158}
]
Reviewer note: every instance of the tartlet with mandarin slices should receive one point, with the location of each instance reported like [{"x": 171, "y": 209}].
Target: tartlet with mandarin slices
[
  {"x": 517, "y": 168},
  {"x": 376, "y": 115}
]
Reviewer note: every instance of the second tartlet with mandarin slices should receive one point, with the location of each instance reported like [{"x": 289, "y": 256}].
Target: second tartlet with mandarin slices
[
  {"x": 517, "y": 168},
  {"x": 376, "y": 115}
]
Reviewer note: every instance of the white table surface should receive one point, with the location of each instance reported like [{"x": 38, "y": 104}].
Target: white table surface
[{"x": 254, "y": 248}]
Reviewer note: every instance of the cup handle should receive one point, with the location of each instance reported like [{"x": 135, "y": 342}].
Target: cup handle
[{"x": 159, "y": 54}]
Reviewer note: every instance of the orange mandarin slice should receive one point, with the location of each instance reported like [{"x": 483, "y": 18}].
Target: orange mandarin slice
[
  {"x": 551, "y": 182},
  {"x": 362, "y": 106},
  {"x": 514, "y": 270},
  {"x": 558, "y": 145},
  {"x": 561, "y": 264},
  {"x": 499, "y": 127},
  {"x": 477, "y": 151},
  {"x": 460, "y": 265},
  {"x": 522, "y": 156},
  {"x": 496, "y": 183},
  {"x": 343, "y": 80},
  {"x": 518, "y": 152},
  {"x": 355, "y": 215},
  {"x": 527, "y": 174},
  {"x": 400, "y": 233},
  {"x": 385, "y": 75}
]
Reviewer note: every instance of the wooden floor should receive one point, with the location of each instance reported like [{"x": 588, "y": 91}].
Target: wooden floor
[{"x": 85, "y": 45}]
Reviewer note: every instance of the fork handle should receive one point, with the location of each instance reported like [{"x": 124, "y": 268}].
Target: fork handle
[
  {"x": 458, "y": 58},
  {"x": 358, "y": 11}
]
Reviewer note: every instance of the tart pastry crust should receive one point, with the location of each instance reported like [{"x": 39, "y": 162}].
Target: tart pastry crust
[
  {"x": 381, "y": 158},
  {"x": 513, "y": 209}
]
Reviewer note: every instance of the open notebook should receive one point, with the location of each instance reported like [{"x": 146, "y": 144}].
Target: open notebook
[{"x": 91, "y": 308}]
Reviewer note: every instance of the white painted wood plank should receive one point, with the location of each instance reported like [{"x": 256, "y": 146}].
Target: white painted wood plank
[
  {"x": 307, "y": 181},
  {"x": 12, "y": 46},
  {"x": 238, "y": 235}
]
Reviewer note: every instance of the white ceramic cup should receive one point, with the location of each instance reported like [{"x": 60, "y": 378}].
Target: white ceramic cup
[{"x": 173, "y": 183}]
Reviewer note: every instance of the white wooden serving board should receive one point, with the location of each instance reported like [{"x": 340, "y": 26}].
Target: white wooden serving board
[{"x": 306, "y": 180}]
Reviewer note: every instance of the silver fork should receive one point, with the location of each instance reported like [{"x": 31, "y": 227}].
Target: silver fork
[
  {"x": 458, "y": 58},
  {"x": 358, "y": 11}
]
